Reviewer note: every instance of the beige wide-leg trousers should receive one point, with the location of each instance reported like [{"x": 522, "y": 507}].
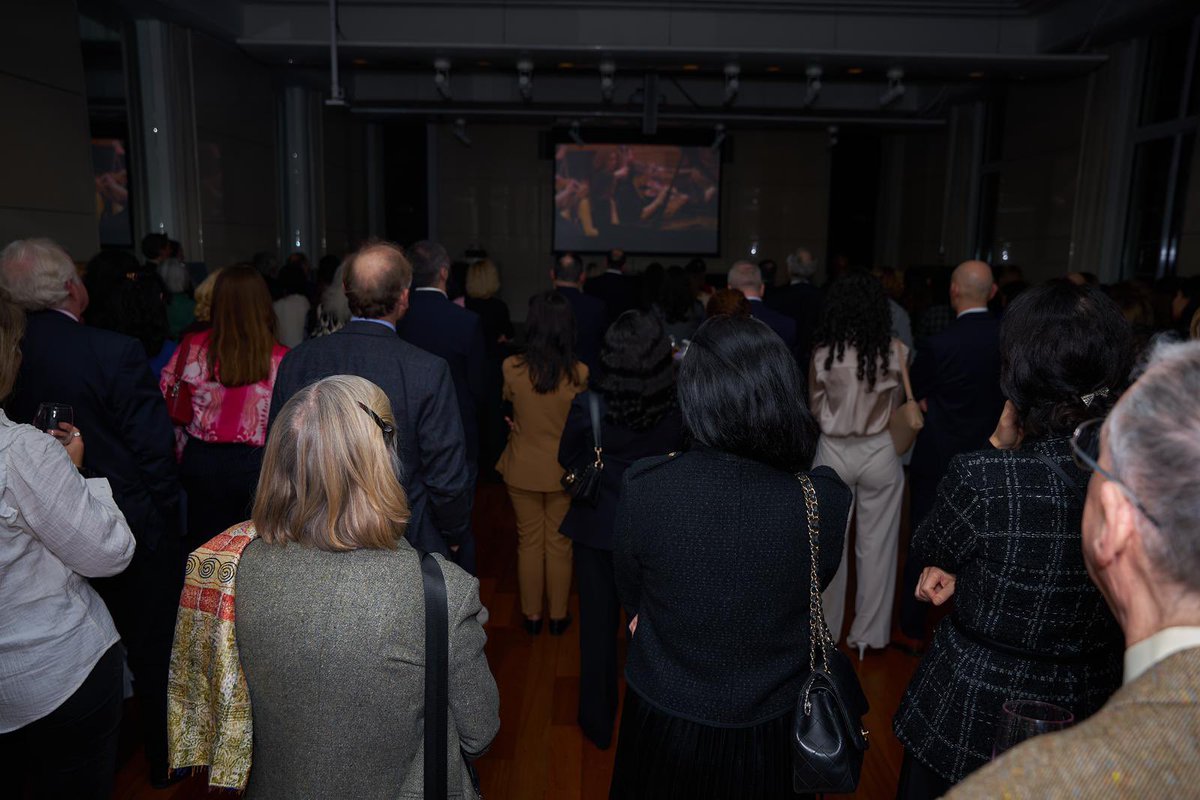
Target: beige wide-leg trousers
[{"x": 870, "y": 467}]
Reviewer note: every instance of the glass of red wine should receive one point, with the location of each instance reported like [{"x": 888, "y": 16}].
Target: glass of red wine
[{"x": 50, "y": 414}]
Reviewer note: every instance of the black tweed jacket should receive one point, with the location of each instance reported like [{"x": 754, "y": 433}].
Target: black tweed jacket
[
  {"x": 712, "y": 554},
  {"x": 1009, "y": 528}
]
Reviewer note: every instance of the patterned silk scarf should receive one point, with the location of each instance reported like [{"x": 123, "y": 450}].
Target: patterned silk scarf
[{"x": 208, "y": 702}]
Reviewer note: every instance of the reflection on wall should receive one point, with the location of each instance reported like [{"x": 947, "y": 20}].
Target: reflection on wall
[{"x": 112, "y": 193}]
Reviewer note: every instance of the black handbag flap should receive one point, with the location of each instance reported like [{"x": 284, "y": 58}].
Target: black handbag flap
[{"x": 821, "y": 682}]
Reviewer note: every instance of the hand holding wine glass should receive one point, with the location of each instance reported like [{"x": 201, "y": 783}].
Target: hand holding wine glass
[{"x": 58, "y": 420}]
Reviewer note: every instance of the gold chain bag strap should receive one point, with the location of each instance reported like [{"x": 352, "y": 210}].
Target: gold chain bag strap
[{"x": 828, "y": 739}]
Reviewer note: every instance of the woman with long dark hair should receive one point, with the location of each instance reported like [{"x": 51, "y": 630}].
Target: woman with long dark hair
[
  {"x": 1003, "y": 537},
  {"x": 231, "y": 371},
  {"x": 855, "y": 383},
  {"x": 639, "y": 417},
  {"x": 129, "y": 299},
  {"x": 712, "y": 558},
  {"x": 541, "y": 382}
]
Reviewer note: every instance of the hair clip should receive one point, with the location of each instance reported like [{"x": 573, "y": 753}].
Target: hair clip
[{"x": 1090, "y": 397}]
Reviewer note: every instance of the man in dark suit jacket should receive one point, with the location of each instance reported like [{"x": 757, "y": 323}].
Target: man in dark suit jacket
[
  {"x": 591, "y": 317},
  {"x": 957, "y": 376},
  {"x": 618, "y": 291},
  {"x": 448, "y": 330},
  {"x": 118, "y": 408},
  {"x": 746, "y": 277},
  {"x": 800, "y": 300},
  {"x": 429, "y": 430}
]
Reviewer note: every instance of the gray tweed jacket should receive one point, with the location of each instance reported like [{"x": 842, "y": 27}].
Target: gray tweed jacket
[{"x": 332, "y": 645}]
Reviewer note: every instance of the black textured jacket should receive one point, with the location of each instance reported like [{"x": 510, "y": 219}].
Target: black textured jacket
[
  {"x": 1008, "y": 528},
  {"x": 713, "y": 556}
]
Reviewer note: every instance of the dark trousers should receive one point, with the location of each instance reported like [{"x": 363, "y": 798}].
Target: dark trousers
[
  {"x": 72, "y": 751},
  {"x": 143, "y": 601},
  {"x": 599, "y": 623},
  {"x": 913, "y": 612},
  {"x": 919, "y": 782},
  {"x": 220, "y": 481}
]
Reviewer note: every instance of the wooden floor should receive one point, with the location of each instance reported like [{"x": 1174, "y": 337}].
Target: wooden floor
[{"x": 540, "y": 752}]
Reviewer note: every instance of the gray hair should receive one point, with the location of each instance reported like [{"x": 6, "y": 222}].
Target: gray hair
[
  {"x": 745, "y": 275},
  {"x": 175, "y": 275},
  {"x": 35, "y": 273},
  {"x": 801, "y": 265},
  {"x": 1154, "y": 442}
]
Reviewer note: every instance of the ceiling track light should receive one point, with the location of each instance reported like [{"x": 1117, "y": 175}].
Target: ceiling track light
[
  {"x": 895, "y": 89},
  {"x": 441, "y": 77},
  {"x": 732, "y": 82},
  {"x": 607, "y": 80},
  {"x": 575, "y": 134},
  {"x": 525, "y": 79},
  {"x": 813, "y": 90},
  {"x": 460, "y": 132}
]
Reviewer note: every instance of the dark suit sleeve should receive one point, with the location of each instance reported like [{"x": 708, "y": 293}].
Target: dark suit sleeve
[
  {"x": 947, "y": 536},
  {"x": 141, "y": 414},
  {"x": 626, "y": 569},
  {"x": 443, "y": 456},
  {"x": 923, "y": 373},
  {"x": 577, "y": 433},
  {"x": 477, "y": 363},
  {"x": 283, "y": 389}
]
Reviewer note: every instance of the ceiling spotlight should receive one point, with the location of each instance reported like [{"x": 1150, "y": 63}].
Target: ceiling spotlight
[
  {"x": 832, "y": 130},
  {"x": 814, "y": 74},
  {"x": 441, "y": 77},
  {"x": 895, "y": 88},
  {"x": 525, "y": 78},
  {"x": 732, "y": 84},
  {"x": 460, "y": 132},
  {"x": 576, "y": 136},
  {"x": 718, "y": 136},
  {"x": 607, "y": 82}
]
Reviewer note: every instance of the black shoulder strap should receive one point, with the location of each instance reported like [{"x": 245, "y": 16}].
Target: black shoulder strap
[
  {"x": 594, "y": 410},
  {"x": 437, "y": 692},
  {"x": 1062, "y": 474}
]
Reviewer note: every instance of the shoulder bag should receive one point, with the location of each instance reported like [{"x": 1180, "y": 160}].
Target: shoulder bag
[
  {"x": 582, "y": 481},
  {"x": 907, "y": 418},
  {"x": 179, "y": 394},
  {"x": 828, "y": 739},
  {"x": 437, "y": 682}
]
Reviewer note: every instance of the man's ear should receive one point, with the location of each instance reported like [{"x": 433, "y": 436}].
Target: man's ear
[
  {"x": 992, "y": 292},
  {"x": 1120, "y": 521}
]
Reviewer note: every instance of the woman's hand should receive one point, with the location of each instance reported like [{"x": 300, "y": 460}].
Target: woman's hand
[
  {"x": 935, "y": 586},
  {"x": 1008, "y": 433},
  {"x": 72, "y": 439},
  {"x": 513, "y": 426},
  {"x": 633, "y": 625}
]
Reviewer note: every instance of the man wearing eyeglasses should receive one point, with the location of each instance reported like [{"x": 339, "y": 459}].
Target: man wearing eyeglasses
[{"x": 1141, "y": 543}]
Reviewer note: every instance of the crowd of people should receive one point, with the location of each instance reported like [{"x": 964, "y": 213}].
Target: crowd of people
[{"x": 308, "y": 443}]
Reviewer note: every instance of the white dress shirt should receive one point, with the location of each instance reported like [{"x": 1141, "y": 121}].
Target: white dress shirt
[
  {"x": 1145, "y": 654},
  {"x": 56, "y": 530}
]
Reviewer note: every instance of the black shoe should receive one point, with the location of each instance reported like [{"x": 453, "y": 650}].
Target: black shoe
[
  {"x": 559, "y": 626},
  {"x": 534, "y": 626}
]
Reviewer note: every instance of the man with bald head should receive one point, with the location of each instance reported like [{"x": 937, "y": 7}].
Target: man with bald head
[
  {"x": 429, "y": 430},
  {"x": 746, "y": 277},
  {"x": 956, "y": 375}
]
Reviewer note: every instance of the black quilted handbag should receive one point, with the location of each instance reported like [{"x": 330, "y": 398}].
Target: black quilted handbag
[
  {"x": 582, "y": 480},
  {"x": 828, "y": 739}
]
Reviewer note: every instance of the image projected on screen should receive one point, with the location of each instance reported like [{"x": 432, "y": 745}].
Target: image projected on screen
[{"x": 639, "y": 198}]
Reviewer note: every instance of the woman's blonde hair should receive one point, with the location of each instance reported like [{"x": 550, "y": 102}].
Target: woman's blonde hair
[
  {"x": 12, "y": 328},
  {"x": 204, "y": 296},
  {"x": 483, "y": 279},
  {"x": 329, "y": 478}
]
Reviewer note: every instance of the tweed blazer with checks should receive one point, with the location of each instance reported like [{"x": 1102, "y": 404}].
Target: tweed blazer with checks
[
  {"x": 1008, "y": 528},
  {"x": 1145, "y": 742}
]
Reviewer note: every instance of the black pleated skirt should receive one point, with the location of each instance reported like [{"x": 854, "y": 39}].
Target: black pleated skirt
[{"x": 664, "y": 757}]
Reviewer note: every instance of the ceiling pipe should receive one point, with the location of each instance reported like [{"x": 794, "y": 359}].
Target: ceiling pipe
[{"x": 337, "y": 96}]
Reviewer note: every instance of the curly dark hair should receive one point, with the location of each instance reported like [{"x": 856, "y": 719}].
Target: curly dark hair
[
  {"x": 856, "y": 313},
  {"x": 127, "y": 298},
  {"x": 637, "y": 374},
  {"x": 549, "y": 352},
  {"x": 1059, "y": 342}
]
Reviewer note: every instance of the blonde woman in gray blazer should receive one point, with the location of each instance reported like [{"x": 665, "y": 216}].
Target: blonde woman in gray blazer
[{"x": 331, "y": 618}]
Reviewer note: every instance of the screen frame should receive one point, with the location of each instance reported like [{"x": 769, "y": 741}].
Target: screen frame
[{"x": 609, "y": 136}]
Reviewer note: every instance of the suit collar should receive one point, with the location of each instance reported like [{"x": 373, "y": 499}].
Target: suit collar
[
  {"x": 1172, "y": 680},
  {"x": 365, "y": 327}
]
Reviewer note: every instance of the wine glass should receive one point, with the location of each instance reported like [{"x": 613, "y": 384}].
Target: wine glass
[
  {"x": 50, "y": 414},
  {"x": 1025, "y": 719}
]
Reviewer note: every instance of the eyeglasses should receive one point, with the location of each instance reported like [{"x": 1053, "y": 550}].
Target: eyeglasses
[
  {"x": 1085, "y": 448},
  {"x": 389, "y": 432}
]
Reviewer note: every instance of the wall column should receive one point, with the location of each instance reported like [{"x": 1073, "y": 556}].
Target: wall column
[{"x": 303, "y": 227}]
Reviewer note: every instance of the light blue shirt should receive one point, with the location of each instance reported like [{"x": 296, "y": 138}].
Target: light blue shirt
[{"x": 383, "y": 322}]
